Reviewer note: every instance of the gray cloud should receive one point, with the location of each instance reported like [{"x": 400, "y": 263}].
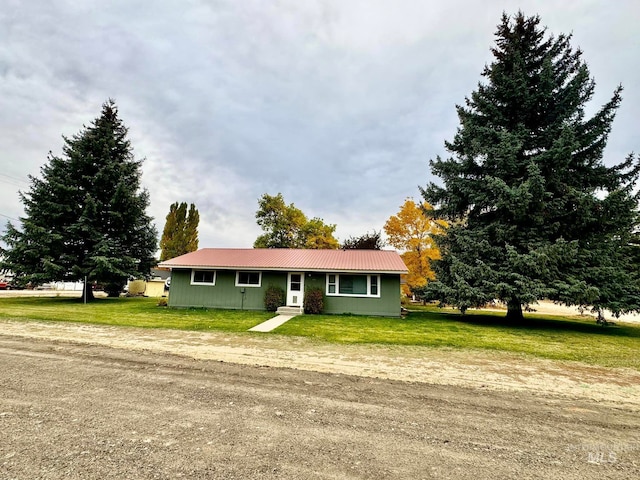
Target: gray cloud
[{"x": 338, "y": 105}]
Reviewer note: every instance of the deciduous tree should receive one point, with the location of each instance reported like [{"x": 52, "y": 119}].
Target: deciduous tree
[
  {"x": 86, "y": 215},
  {"x": 367, "y": 241},
  {"x": 318, "y": 235},
  {"x": 412, "y": 232},
  {"x": 535, "y": 211},
  {"x": 180, "y": 234},
  {"x": 285, "y": 226}
]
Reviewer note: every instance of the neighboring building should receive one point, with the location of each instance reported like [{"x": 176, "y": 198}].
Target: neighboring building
[
  {"x": 365, "y": 282},
  {"x": 155, "y": 286}
]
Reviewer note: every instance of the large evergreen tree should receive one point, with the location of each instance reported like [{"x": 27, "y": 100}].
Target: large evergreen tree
[
  {"x": 534, "y": 211},
  {"x": 85, "y": 216},
  {"x": 180, "y": 234}
]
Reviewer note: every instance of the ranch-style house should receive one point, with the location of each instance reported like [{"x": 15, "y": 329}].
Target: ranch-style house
[{"x": 364, "y": 282}]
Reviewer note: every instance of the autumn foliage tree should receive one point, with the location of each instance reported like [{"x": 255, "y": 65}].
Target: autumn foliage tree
[
  {"x": 286, "y": 226},
  {"x": 412, "y": 232},
  {"x": 180, "y": 234}
]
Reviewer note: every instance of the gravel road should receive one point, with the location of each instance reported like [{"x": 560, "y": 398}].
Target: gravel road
[{"x": 80, "y": 410}]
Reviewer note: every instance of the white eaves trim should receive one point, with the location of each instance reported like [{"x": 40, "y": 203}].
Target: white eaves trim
[{"x": 282, "y": 269}]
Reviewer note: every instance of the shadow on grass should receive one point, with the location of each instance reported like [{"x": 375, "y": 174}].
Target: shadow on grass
[{"x": 533, "y": 322}]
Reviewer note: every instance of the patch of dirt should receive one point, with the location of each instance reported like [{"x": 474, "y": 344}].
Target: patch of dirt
[
  {"x": 489, "y": 370},
  {"x": 72, "y": 407}
]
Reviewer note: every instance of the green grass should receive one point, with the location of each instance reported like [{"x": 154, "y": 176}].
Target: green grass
[
  {"x": 543, "y": 336},
  {"x": 130, "y": 312}
]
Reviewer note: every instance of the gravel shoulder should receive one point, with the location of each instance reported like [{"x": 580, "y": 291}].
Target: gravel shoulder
[
  {"x": 88, "y": 401},
  {"x": 488, "y": 370},
  {"x": 81, "y": 410}
]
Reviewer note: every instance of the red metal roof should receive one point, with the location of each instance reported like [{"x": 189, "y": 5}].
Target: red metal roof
[{"x": 382, "y": 261}]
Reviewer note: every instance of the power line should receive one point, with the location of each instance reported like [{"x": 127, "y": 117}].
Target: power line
[
  {"x": 12, "y": 183},
  {"x": 10, "y": 218},
  {"x": 14, "y": 179}
]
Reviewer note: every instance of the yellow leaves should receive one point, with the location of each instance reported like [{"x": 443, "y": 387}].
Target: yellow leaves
[
  {"x": 411, "y": 231},
  {"x": 411, "y": 228},
  {"x": 319, "y": 235}
]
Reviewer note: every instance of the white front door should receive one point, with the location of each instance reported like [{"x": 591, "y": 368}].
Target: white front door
[{"x": 295, "y": 289}]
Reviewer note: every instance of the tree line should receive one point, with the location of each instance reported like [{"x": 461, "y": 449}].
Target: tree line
[{"x": 411, "y": 231}]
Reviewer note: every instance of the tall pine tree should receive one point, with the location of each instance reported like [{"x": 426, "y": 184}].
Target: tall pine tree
[
  {"x": 180, "y": 234},
  {"x": 534, "y": 211},
  {"x": 85, "y": 216}
]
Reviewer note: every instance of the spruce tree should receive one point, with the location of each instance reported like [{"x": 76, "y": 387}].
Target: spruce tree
[
  {"x": 85, "y": 216},
  {"x": 534, "y": 211},
  {"x": 180, "y": 234}
]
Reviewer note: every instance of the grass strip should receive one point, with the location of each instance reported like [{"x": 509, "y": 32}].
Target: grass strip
[
  {"x": 552, "y": 337},
  {"x": 129, "y": 312}
]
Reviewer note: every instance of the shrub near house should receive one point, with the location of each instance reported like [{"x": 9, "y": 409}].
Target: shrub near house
[
  {"x": 363, "y": 282},
  {"x": 274, "y": 297},
  {"x": 314, "y": 301}
]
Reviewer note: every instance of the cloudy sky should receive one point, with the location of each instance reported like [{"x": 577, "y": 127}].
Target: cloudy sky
[{"x": 338, "y": 104}]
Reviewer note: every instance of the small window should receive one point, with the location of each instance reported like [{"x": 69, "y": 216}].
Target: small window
[
  {"x": 203, "y": 277},
  {"x": 295, "y": 282},
  {"x": 331, "y": 284},
  {"x": 248, "y": 279},
  {"x": 374, "y": 285}
]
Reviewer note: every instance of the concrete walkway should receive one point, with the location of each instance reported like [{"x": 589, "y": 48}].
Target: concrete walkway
[{"x": 272, "y": 323}]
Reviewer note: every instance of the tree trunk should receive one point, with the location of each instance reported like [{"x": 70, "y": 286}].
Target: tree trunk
[
  {"x": 514, "y": 310},
  {"x": 88, "y": 292}
]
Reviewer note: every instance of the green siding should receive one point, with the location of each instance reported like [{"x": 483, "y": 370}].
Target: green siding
[
  {"x": 388, "y": 305},
  {"x": 224, "y": 294}
]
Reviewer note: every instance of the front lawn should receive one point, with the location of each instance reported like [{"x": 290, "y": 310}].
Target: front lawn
[
  {"x": 129, "y": 312},
  {"x": 542, "y": 336}
]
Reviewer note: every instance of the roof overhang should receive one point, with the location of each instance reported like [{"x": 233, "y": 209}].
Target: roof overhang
[{"x": 282, "y": 269}]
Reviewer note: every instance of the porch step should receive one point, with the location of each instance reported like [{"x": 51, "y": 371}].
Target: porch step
[{"x": 289, "y": 310}]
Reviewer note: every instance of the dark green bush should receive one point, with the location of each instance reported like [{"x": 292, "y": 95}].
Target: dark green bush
[
  {"x": 313, "y": 301},
  {"x": 274, "y": 297},
  {"x": 114, "y": 288}
]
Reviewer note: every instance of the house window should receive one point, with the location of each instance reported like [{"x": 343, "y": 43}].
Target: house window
[
  {"x": 331, "y": 284},
  {"x": 348, "y": 285},
  {"x": 248, "y": 279},
  {"x": 373, "y": 285},
  {"x": 203, "y": 277}
]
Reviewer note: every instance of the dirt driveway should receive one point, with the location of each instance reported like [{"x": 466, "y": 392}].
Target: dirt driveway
[{"x": 84, "y": 401}]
